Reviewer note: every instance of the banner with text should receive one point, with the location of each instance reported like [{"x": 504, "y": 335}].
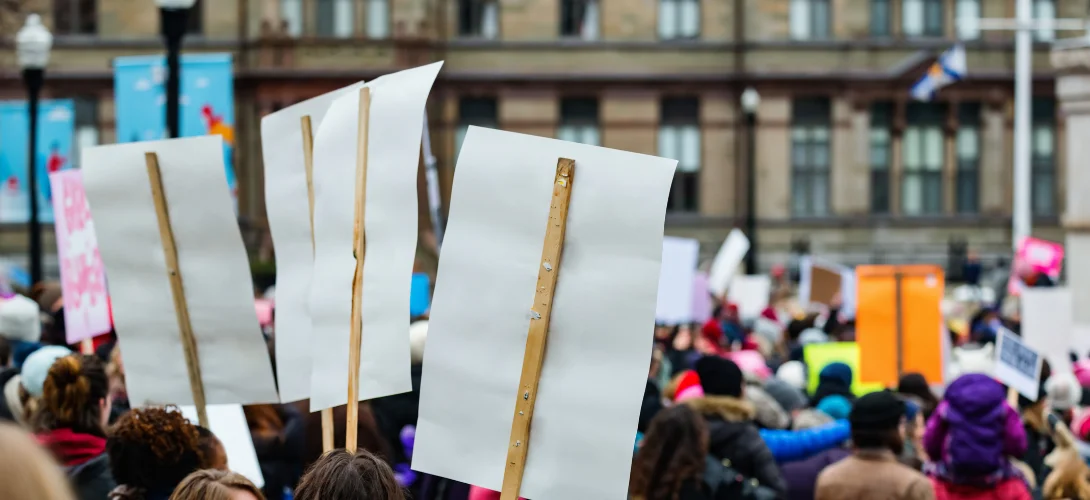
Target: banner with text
[{"x": 83, "y": 281}]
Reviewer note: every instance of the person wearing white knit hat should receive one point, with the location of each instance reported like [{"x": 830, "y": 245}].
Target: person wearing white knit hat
[{"x": 794, "y": 373}]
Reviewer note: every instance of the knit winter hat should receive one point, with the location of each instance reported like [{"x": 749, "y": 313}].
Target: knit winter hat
[
  {"x": 877, "y": 411},
  {"x": 751, "y": 362},
  {"x": 688, "y": 387},
  {"x": 20, "y": 319},
  {"x": 719, "y": 377},
  {"x": 813, "y": 336},
  {"x": 835, "y": 406},
  {"x": 418, "y": 335},
  {"x": 37, "y": 366},
  {"x": 788, "y": 397},
  {"x": 794, "y": 373},
  {"x": 1064, "y": 391},
  {"x": 838, "y": 372}
]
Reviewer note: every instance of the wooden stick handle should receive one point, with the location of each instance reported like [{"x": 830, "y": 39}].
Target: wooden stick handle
[
  {"x": 87, "y": 346},
  {"x": 359, "y": 234},
  {"x": 177, "y": 290},
  {"x": 537, "y": 339},
  {"x": 308, "y": 161}
]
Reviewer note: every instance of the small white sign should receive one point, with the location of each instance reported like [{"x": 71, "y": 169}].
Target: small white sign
[
  {"x": 726, "y": 262},
  {"x": 1018, "y": 365}
]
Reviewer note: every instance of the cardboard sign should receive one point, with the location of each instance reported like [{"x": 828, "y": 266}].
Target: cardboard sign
[
  {"x": 83, "y": 281},
  {"x": 1018, "y": 365},
  {"x": 726, "y": 262},
  {"x": 1047, "y": 325},
  {"x": 675, "y": 297},
  {"x": 876, "y": 325},
  {"x": 599, "y": 332}
]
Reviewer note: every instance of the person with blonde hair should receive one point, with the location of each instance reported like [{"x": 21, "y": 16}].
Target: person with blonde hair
[
  {"x": 213, "y": 484},
  {"x": 26, "y": 471}
]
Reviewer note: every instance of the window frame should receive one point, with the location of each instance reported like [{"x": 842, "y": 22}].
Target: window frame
[
  {"x": 474, "y": 12},
  {"x": 77, "y": 21},
  {"x": 195, "y": 20},
  {"x": 568, "y": 26},
  {"x": 967, "y": 168},
  {"x": 465, "y": 119},
  {"x": 815, "y": 30},
  {"x": 679, "y": 116},
  {"x": 881, "y": 172},
  {"x": 1043, "y": 169},
  {"x": 679, "y": 8},
  {"x": 579, "y": 127},
  {"x": 926, "y": 119},
  {"x": 807, "y": 173},
  {"x": 881, "y": 28},
  {"x": 928, "y": 9}
]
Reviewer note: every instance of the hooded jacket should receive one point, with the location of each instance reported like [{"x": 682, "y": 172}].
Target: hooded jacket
[{"x": 734, "y": 438}]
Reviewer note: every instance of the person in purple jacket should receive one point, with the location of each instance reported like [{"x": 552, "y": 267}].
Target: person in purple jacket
[{"x": 973, "y": 434}]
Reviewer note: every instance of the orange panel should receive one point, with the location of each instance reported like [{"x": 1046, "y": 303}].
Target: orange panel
[
  {"x": 875, "y": 323},
  {"x": 921, "y": 295}
]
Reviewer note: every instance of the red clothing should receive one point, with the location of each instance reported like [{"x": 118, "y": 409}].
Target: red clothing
[
  {"x": 71, "y": 448},
  {"x": 478, "y": 493},
  {"x": 1011, "y": 489}
]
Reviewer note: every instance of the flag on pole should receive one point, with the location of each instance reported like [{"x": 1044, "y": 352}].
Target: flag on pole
[{"x": 949, "y": 68}]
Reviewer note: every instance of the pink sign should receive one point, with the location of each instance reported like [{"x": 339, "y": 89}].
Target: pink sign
[
  {"x": 702, "y": 299},
  {"x": 1046, "y": 257},
  {"x": 83, "y": 281}
]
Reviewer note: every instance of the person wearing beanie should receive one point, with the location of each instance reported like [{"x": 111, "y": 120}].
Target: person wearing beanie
[
  {"x": 732, "y": 435},
  {"x": 914, "y": 384},
  {"x": 21, "y": 327},
  {"x": 792, "y": 400},
  {"x": 835, "y": 406},
  {"x": 20, "y": 389},
  {"x": 688, "y": 387},
  {"x": 971, "y": 437},
  {"x": 794, "y": 373},
  {"x": 834, "y": 379},
  {"x": 873, "y": 471}
]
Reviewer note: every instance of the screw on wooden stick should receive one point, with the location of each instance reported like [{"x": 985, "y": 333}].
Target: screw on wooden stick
[
  {"x": 308, "y": 162},
  {"x": 177, "y": 289},
  {"x": 537, "y": 339},
  {"x": 359, "y": 251}
]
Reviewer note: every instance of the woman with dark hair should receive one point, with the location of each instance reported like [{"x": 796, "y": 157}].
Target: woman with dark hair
[
  {"x": 151, "y": 451},
  {"x": 71, "y": 420},
  {"x": 914, "y": 384},
  {"x": 339, "y": 475},
  {"x": 671, "y": 461}
]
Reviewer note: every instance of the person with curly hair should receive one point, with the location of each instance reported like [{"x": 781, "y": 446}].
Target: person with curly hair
[
  {"x": 211, "y": 484},
  {"x": 339, "y": 475},
  {"x": 71, "y": 422},
  {"x": 26, "y": 470},
  {"x": 151, "y": 451}
]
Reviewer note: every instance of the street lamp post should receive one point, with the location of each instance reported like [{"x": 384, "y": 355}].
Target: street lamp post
[
  {"x": 173, "y": 15},
  {"x": 32, "y": 45},
  {"x": 750, "y": 100}
]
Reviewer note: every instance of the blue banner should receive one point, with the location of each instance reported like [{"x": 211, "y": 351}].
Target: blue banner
[
  {"x": 56, "y": 128},
  {"x": 207, "y": 100}
]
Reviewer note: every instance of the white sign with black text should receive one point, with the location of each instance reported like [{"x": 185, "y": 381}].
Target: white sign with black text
[{"x": 1018, "y": 365}]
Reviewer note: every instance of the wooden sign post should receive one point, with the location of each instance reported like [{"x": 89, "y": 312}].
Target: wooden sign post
[
  {"x": 177, "y": 289},
  {"x": 537, "y": 339},
  {"x": 308, "y": 161},
  {"x": 359, "y": 251}
]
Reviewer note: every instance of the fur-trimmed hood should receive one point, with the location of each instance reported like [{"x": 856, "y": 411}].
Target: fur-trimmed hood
[{"x": 724, "y": 408}]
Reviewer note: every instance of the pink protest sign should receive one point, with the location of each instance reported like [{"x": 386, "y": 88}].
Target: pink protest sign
[
  {"x": 1045, "y": 256},
  {"x": 83, "y": 281},
  {"x": 702, "y": 299}
]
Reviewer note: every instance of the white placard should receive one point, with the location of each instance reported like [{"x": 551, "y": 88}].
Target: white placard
[
  {"x": 675, "y": 296},
  {"x": 1047, "y": 325},
  {"x": 599, "y": 343},
  {"x": 393, "y": 151},
  {"x": 727, "y": 261},
  {"x": 288, "y": 209},
  {"x": 228, "y": 423},
  {"x": 215, "y": 270},
  {"x": 1018, "y": 365},
  {"x": 750, "y": 293}
]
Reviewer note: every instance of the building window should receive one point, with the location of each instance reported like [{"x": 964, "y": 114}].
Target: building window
[
  {"x": 75, "y": 17},
  {"x": 1043, "y": 147},
  {"x": 579, "y": 18},
  {"x": 880, "y": 18},
  {"x": 679, "y": 138},
  {"x": 579, "y": 121},
  {"x": 966, "y": 196},
  {"x": 86, "y": 126},
  {"x": 478, "y": 18},
  {"x": 478, "y": 111},
  {"x": 679, "y": 19},
  {"x": 881, "y": 132},
  {"x": 334, "y": 18},
  {"x": 810, "y": 158},
  {"x": 922, "y": 17},
  {"x": 924, "y": 151},
  {"x": 195, "y": 19},
  {"x": 1044, "y": 9},
  {"x": 810, "y": 19},
  {"x": 378, "y": 18},
  {"x": 967, "y": 19},
  {"x": 291, "y": 14}
]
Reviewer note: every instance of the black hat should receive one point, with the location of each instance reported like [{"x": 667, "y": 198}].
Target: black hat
[
  {"x": 719, "y": 377},
  {"x": 877, "y": 411}
]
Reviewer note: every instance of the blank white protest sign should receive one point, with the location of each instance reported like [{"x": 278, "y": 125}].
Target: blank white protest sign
[
  {"x": 1047, "y": 325},
  {"x": 603, "y": 316},
  {"x": 675, "y": 293}
]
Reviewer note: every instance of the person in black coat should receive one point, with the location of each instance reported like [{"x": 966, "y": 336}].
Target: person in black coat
[{"x": 733, "y": 437}]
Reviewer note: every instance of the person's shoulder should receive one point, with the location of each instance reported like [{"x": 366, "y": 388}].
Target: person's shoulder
[{"x": 835, "y": 470}]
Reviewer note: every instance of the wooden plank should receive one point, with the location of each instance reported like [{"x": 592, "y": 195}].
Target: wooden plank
[
  {"x": 360, "y": 239},
  {"x": 87, "y": 346},
  {"x": 177, "y": 289},
  {"x": 537, "y": 339},
  {"x": 308, "y": 162}
]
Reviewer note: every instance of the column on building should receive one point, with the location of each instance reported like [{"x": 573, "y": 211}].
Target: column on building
[
  {"x": 1073, "y": 94},
  {"x": 850, "y": 176},
  {"x": 993, "y": 148}
]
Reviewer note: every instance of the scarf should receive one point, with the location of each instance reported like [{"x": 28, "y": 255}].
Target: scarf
[{"x": 72, "y": 448}]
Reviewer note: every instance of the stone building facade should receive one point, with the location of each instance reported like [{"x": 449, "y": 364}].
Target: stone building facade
[{"x": 847, "y": 165}]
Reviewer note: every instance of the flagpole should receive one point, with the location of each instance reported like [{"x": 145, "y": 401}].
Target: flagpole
[{"x": 1021, "y": 221}]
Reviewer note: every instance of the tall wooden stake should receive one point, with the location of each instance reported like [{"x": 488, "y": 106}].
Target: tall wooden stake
[
  {"x": 308, "y": 161},
  {"x": 177, "y": 290},
  {"x": 537, "y": 339},
  {"x": 359, "y": 234}
]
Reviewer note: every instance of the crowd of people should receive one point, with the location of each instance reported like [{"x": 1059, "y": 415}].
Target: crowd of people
[{"x": 728, "y": 414}]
